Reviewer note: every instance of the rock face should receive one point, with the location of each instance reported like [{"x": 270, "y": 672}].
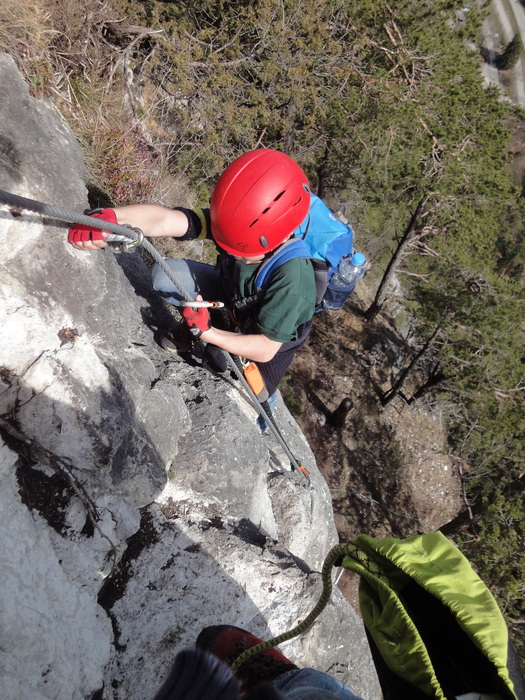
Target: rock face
[{"x": 138, "y": 501}]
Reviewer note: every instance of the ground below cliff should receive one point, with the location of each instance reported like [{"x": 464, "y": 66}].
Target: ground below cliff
[{"x": 387, "y": 467}]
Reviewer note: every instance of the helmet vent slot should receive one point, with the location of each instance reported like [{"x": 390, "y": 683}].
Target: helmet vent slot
[
  {"x": 279, "y": 196},
  {"x": 253, "y": 223}
]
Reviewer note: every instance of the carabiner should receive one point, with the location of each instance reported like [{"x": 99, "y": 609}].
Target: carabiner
[{"x": 129, "y": 246}]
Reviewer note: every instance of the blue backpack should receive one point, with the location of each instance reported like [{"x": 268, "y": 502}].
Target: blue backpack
[{"x": 322, "y": 238}]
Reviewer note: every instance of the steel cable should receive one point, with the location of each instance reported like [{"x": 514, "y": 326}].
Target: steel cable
[
  {"x": 124, "y": 234},
  {"x": 119, "y": 233}
]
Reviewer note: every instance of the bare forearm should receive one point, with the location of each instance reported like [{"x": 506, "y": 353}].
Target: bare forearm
[
  {"x": 153, "y": 219},
  {"x": 255, "y": 347}
]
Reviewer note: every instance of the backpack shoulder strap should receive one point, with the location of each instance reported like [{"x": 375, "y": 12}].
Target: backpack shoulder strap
[{"x": 292, "y": 248}]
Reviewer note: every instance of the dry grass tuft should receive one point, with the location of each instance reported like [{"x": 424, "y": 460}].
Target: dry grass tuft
[
  {"x": 61, "y": 48},
  {"x": 26, "y": 34}
]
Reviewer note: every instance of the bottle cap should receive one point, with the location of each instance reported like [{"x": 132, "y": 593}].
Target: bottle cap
[{"x": 358, "y": 259}]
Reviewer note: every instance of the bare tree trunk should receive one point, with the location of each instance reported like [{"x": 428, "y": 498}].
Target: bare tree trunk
[
  {"x": 468, "y": 517},
  {"x": 401, "y": 377},
  {"x": 435, "y": 377},
  {"x": 338, "y": 417},
  {"x": 376, "y": 305},
  {"x": 463, "y": 521}
]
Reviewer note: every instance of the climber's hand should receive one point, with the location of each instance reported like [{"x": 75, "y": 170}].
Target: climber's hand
[
  {"x": 197, "y": 320},
  {"x": 87, "y": 237}
]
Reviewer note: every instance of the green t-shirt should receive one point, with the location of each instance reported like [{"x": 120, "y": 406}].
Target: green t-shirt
[{"x": 288, "y": 301}]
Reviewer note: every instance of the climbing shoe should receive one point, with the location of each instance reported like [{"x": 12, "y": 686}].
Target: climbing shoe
[
  {"x": 214, "y": 360},
  {"x": 178, "y": 339},
  {"x": 227, "y": 643}
]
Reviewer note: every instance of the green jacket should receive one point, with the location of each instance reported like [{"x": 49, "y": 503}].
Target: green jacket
[{"x": 435, "y": 629}]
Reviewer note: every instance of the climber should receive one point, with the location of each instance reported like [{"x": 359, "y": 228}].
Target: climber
[
  {"x": 204, "y": 674},
  {"x": 257, "y": 203}
]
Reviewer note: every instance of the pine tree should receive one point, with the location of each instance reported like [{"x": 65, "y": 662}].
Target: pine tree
[{"x": 511, "y": 54}]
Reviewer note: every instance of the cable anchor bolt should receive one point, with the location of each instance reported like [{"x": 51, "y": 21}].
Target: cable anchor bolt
[{"x": 129, "y": 246}]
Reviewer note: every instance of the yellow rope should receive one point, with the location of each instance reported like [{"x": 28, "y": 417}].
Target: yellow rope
[{"x": 340, "y": 550}]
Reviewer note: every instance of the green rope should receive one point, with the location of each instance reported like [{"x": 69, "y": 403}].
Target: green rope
[{"x": 340, "y": 550}]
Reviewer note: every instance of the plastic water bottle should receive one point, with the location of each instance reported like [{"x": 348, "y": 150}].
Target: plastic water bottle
[{"x": 342, "y": 283}]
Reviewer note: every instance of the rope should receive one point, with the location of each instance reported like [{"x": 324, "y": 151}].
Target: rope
[
  {"x": 124, "y": 234},
  {"x": 340, "y": 550},
  {"x": 14, "y": 200}
]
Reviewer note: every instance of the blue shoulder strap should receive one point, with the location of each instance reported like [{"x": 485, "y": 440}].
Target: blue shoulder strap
[{"x": 293, "y": 248}]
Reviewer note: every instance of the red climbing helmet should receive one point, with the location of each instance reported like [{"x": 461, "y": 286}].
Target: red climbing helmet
[{"x": 257, "y": 202}]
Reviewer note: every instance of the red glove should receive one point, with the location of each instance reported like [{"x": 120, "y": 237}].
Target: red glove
[
  {"x": 79, "y": 233},
  {"x": 197, "y": 320}
]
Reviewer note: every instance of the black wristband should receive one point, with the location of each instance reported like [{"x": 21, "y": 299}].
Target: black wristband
[{"x": 194, "y": 224}]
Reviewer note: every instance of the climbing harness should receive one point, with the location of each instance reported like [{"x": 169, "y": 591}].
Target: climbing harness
[{"x": 131, "y": 238}]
